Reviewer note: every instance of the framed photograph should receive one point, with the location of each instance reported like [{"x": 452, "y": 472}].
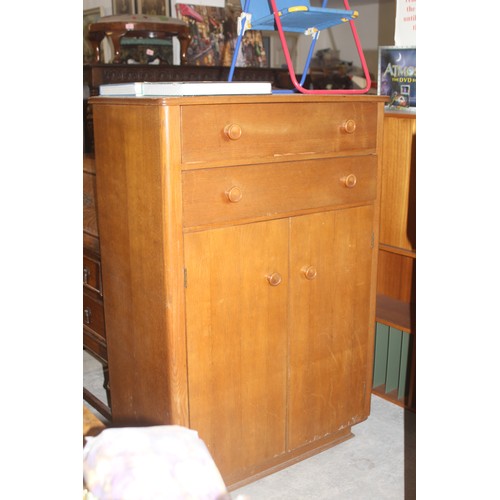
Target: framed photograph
[
  {"x": 153, "y": 7},
  {"x": 89, "y": 16},
  {"x": 123, "y": 7},
  {"x": 397, "y": 77}
]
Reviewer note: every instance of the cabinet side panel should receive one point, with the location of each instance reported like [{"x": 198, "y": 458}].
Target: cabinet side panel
[
  {"x": 236, "y": 332},
  {"x": 130, "y": 144}
]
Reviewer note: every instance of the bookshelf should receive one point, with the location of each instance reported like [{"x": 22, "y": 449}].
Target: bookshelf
[{"x": 394, "y": 372}]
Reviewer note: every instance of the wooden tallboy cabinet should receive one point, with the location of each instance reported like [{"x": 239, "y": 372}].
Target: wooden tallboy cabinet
[{"x": 239, "y": 240}]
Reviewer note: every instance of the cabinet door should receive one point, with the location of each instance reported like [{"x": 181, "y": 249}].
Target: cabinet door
[
  {"x": 236, "y": 341},
  {"x": 330, "y": 269}
]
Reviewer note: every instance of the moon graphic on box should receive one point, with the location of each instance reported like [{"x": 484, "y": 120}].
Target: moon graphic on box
[{"x": 399, "y": 57}]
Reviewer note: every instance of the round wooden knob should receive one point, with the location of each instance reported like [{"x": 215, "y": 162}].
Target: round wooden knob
[
  {"x": 349, "y": 126},
  {"x": 310, "y": 272},
  {"x": 233, "y": 131},
  {"x": 349, "y": 180},
  {"x": 234, "y": 194},
  {"x": 274, "y": 279}
]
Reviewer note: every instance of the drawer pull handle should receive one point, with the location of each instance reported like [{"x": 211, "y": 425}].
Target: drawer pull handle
[
  {"x": 86, "y": 275},
  {"x": 234, "y": 195},
  {"x": 87, "y": 315},
  {"x": 310, "y": 272},
  {"x": 233, "y": 131},
  {"x": 349, "y": 126},
  {"x": 349, "y": 180},
  {"x": 274, "y": 279}
]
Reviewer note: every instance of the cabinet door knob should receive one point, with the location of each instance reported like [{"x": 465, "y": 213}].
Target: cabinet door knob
[
  {"x": 274, "y": 279},
  {"x": 349, "y": 126},
  {"x": 234, "y": 194},
  {"x": 233, "y": 131},
  {"x": 310, "y": 272},
  {"x": 349, "y": 180}
]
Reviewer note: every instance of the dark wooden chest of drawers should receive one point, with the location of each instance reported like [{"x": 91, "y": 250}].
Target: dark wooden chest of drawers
[{"x": 94, "y": 328}]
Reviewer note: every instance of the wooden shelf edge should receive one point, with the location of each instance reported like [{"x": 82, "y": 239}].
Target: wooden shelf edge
[
  {"x": 395, "y": 313},
  {"x": 397, "y": 250},
  {"x": 393, "y": 114},
  {"x": 392, "y": 397}
]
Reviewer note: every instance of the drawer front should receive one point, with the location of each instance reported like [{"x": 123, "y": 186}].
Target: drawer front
[
  {"x": 220, "y": 195},
  {"x": 230, "y": 133},
  {"x": 93, "y": 315},
  {"x": 89, "y": 205},
  {"x": 92, "y": 274},
  {"x": 95, "y": 345}
]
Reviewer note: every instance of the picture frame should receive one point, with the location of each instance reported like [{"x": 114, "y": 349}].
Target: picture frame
[
  {"x": 124, "y": 7},
  {"x": 397, "y": 78},
  {"x": 153, "y": 7}
]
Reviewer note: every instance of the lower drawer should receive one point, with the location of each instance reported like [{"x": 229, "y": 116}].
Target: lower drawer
[
  {"x": 95, "y": 345},
  {"x": 220, "y": 195},
  {"x": 93, "y": 315}
]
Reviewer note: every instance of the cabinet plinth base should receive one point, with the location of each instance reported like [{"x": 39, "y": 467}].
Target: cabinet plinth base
[{"x": 236, "y": 481}]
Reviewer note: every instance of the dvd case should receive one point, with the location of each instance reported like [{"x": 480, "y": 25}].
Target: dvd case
[{"x": 397, "y": 78}]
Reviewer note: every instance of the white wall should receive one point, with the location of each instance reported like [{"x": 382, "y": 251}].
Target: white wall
[
  {"x": 106, "y": 4},
  {"x": 375, "y": 26}
]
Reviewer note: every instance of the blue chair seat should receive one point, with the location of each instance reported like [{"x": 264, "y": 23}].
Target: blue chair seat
[{"x": 300, "y": 20}]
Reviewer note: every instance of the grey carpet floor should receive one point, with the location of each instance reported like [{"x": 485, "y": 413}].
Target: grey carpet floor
[
  {"x": 376, "y": 464},
  {"x": 93, "y": 378}
]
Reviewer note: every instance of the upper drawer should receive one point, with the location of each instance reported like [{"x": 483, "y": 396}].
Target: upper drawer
[
  {"x": 224, "y": 134},
  {"x": 93, "y": 315},
  {"x": 219, "y": 195},
  {"x": 92, "y": 274}
]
